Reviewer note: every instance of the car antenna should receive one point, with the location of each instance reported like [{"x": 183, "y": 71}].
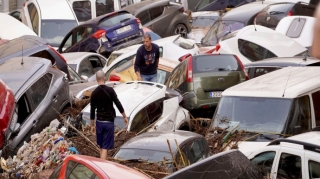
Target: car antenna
[
  {"x": 22, "y": 56},
  {"x": 286, "y": 84}
]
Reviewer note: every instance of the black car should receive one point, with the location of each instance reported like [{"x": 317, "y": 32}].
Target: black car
[
  {"x": 233, "y": 20},
  {"x": 41, "y": 93},
  {"x": 162, "y": 17},
  {"x": 32, "y": 46},
  {"x": 271, "y": 15},
  {"x": 262, "y": 67},
  {"x": 214, "y": 5}
]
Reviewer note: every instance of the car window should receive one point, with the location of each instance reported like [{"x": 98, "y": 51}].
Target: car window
[
  {"x": 56, "y": 172},
  {"x": 68, "y": 43},
  {"x": 316, "y": 106},
  {"x": 34, "y": 17},
  {"x": 216, "y": 63},
  {"x": 140, "y": 121},
  {"x": 194, "y": 150},
  {"x": 144, "y": 17},
  {"x": 183, "y": 43},
  {"x": 81, "y": 171},
  {"x": 124, "y": 66},
  {"x": 178, "y": 75},
  {"x": 300, "y": 115},
  {"x": 70, "y": 166},
  {"x": 203, "y": 21},
  {"x": 303, "y": 9},
  {"x": 162, "y": 76},
  {"x": 314, "y": 169},
  {"x": 155, "y": 110},
  {"x": 82, "y": 33},
  {"x": 39, "y": 89},
  {"x": 296, "y": 27},
  {"x": 203, "y": 3},
  {"x": 96, "y": 63},
  {"x": 103, "y": 61},
  {"x": 258, "y": 71},
  {"x": 85, "y": 68},
  {"x": 281, "y": 8},
  {"x": 251, "y": 50},
  {"x": 74, "y": 75},
  {"x": 82, "y": 9},
  {"x": 270, "y": 54},
  {"x": 104, "y": 7},
  {"x": 24, "y": 109},
  {"x": 118, "y": 64},
  {"x": 110, "y": 21},
  {"x": 289, "y": 166},
  {"x": 156, "y": 12},
  {"x": 264, "y": 162}
]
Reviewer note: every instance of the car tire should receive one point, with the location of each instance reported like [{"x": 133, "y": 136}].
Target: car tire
[{"x": 180, "y": 29}]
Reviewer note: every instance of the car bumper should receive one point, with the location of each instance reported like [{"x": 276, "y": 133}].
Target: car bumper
[
  {"x": 107, "y": 47},
  {"x": 196, "y": 103}
]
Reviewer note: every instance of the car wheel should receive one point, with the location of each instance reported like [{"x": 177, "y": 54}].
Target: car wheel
[{"x": 180, "y": 29}]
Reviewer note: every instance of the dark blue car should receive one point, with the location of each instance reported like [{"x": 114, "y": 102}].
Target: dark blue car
[{"x": 104, "y": 34}]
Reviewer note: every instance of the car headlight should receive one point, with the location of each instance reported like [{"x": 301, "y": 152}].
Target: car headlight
[{"x": 14, "y": 120}]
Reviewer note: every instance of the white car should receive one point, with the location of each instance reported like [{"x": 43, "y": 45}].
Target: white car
[
  {"x": 298, "y": 28},
  {"x": 293, "y": 157},
  {"x": 255, "y": 42},
  {"x": 86, "y": 64},
  {"x": 147, "y": 104},
  {"x": 51, "y": 20},
  {"x": 201, "y": 23},
  {"x": 13, "y": 28}
]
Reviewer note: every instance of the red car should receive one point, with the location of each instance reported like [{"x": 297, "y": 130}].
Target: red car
[{"x": 85, "y": 167}]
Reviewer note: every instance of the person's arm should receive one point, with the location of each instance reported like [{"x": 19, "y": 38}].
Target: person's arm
[
  {"x": 157, "y": 57},
  {"x": 92, "y": 112},
  {"x": 136, "y": 65},
  {"x": 119, "y": 106},
  {"x": 316, "y": 34}
]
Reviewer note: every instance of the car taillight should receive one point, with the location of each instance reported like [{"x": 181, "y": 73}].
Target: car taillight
[
  {"x": 290, "y": 13},
  {"x": 210, "y": 51},
  {"x": 189, "y": 70},
  {"x": 114, "y": 78},
  {"x": 181, "y": 9},
  {"x": 57, "y": 53},
  {"x": 218, "y": 47},
  {"x": 206, "y": 107},
  {"x": 99, "y": 34},
  {"x": 242, "y": 67},
  {"x": 139, "y": 22},
  {"x": 184, "y": 57}
]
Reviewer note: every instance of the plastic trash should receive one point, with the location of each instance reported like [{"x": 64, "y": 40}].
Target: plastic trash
[
  {"x": 54, "y": 124},
  {"x": 73, "y": 150}
]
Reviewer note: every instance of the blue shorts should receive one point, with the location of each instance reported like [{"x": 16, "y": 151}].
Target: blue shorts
[{"x": 105, "y": 134}]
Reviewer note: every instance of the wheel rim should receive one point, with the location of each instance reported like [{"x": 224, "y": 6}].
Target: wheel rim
[{"x": 180, "y": 29}]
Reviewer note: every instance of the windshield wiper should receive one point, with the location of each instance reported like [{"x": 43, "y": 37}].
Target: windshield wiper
[{"x": 275, "y": 12}]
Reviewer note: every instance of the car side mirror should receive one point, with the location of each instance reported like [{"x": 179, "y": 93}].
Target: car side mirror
[
  {"x": 297, "y": 130},
  {"x": 84, "y": 77}
]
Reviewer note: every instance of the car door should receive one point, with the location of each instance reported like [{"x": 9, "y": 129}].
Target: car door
[
  {"x": 312, "y": 166},
  {"x": 83, "y": 38},
  {"x": 33, "y": 18},
  {"x": 71, "y": 42},
  {"x": 83, "y": 9},
  {"x": 144, "y": 17},
  {"x": 85, "y": 68},
  {"x": 156, "y": 20}
]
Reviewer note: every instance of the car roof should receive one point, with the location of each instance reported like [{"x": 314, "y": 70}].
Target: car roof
[
  {"x": 245, "y": 12},
  {"x": 13, "y": 28},
  {"x": 284, "y": 61},
  {"x": 277, "y": 43},
  {"x": 97, "y": 19},
  {"x": 15, "y": 74},
  {"x": 133, "y": 94},
  {"x": 111, "y": 169},
  {"x": 50, "y": 8},
  {"x": 289, "y": 82},
  {"x": 205, "y": 13},
  {"x": 140, "y": 6},
  {"x": 76, "y": 57},
  {"x": 312, "y": 137},
  {"x": 157, "y": 140}
]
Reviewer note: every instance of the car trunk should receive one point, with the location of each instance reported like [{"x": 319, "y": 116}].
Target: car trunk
[
  {"x": 122, "y": 32},
  {"x": 211, "y": 84}
]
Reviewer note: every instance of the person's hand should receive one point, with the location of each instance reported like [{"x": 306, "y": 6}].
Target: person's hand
[
  {"x": 139, "y": 78},
  {"x": 92, "y": 129},
  {"x": 125, "y": 119}
]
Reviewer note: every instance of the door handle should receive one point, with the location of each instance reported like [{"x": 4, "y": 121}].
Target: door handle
[{"x": 34, "y": 123}]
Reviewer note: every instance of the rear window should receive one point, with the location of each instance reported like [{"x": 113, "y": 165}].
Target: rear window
[
  {"x": 203, "y": 21},
  {"x": 124, "y": 66},
  {"x": 258, "y": 71},
  {"x": 115, "y": 19},
  {"x": 183, "y": 43},
  {"x": 296, "y": 27},
  {"x": 215, "y": 63},
  {"x": 16, "y": 45},
  {"x": 279, "y": 8}
]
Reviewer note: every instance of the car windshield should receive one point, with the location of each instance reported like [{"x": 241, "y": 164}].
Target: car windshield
[
  {"x": 112, "y": 57},
  {"x": 55, "y": 30},
  {"x": 203, "y": 21},
  {"x": 115, "y": 19},
  {"x": 162, "y": 75},
  {"x": 218, "y": 30},
  {"x": 253, "y": 114},
  {"x": 150, "y": 155}
]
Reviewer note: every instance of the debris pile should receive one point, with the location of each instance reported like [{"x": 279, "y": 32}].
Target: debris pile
[
  {"x": 200, "y": 125},
  {"x": 45, "y": 151}
]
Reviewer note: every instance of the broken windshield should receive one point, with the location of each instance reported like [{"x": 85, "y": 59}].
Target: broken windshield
[
  {"x": 218, "y": 30},
  {"x": 253, "y": 114}
]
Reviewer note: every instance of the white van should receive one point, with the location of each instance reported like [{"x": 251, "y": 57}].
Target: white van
[
  {"x": 51, "y": 20},
  {"x": 299, "y": 28},
  {"x": 278, "y": 104},
  {"x": 89, "y": 9}
]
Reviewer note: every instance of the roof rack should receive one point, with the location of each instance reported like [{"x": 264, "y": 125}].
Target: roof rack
[{"x": 306, "y": 146}]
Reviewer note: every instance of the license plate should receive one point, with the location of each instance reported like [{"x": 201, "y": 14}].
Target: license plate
[
  {"x": 124, "y": 29},
  {"x": 215, "y": 94}
]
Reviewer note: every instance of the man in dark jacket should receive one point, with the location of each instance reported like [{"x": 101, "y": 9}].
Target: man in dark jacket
[
  {"x": 102, "y": 99},
  {"x": 147, "y": 60}
]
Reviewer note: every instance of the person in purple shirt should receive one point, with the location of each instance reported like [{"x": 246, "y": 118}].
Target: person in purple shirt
[{"x": 147, "y": 60}]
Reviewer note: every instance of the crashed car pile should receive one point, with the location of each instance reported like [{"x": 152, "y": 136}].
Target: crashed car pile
[{"x": 237, "y": 92}]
